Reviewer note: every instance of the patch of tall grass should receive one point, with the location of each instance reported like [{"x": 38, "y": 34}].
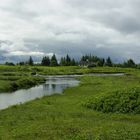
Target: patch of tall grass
[{"x": 127, "y": 101}]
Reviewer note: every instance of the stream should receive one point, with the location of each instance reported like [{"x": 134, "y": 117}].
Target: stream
[{"x": 54, "y": 85}]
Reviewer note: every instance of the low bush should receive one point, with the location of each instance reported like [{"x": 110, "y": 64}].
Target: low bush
[
  {"x": 127, "y": 101},
  {"x": 92, "y": 65}
]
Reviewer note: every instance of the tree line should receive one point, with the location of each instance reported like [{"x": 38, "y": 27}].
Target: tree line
[
  {"x": 93, "y": 61},
  {"x": 85, "y": 61},
  {"x": 49, "y": 61}
]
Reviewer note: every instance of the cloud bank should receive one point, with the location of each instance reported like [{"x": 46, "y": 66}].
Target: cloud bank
[{"x": 43, "y": 27}]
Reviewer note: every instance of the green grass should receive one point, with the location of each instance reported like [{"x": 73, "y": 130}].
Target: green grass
[
  {"x": 63, "y": 117},
  {"x": 17, "y": 77},
  {"x": 25, "y": 70},
  {"x": 9, "y": 84},
  {"x": 77, "y": 70}
]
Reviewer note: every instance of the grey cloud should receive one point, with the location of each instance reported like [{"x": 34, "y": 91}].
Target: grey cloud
[
  {"x": 120, "y": 15},
  {"x": 102, "y": 27},
  {"x": 124, "y": 23}
]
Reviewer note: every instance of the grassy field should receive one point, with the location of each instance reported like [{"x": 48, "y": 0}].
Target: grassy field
[
  {"x": 64, "y": 117},
  {"x": 13, "y": 78},
  {"x": 17, "y": 77},
  {"x": 26, "y": 70}
]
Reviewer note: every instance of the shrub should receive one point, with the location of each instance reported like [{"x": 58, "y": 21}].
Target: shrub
[
  {"x": 14, "y": 86},
  {"x": 119, "y": 102},
  {"x": 91, "y": 65}
]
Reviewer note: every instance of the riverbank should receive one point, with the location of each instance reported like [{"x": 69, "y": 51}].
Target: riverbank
[
  {"x": 63, "y": 117},
  {"x": 53, "y": 85},
  {"x": 61, "y": 70},
  {"x": 13, "y": 83},
  {"x": 13, "y": 78}
]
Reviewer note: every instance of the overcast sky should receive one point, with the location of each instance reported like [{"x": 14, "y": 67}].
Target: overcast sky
[{"x": 43, "y": 27}]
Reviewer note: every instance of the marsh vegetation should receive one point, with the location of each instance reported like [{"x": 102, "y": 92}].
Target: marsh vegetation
[{"x": 75, "y": 115}]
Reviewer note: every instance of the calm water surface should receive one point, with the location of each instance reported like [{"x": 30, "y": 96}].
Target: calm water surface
[{"x": 54, "y": 85}]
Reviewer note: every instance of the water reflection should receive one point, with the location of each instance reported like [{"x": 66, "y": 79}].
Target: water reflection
[{"x": 53, "y": 85}]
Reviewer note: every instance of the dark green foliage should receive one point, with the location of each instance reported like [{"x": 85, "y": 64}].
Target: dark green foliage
[
  {"x": 26, "y": 83},
  {"x": 86, "y": 61},
  {"x": 101, "y": 62},
  {"x": 73, "y": 63},
  {"x": 91, "y": 65},
  {"x": 45, "y": 61},
  {"x": 120, "y": 102},
  {"x": 63, "y": 61},
  {"x": 53, "y": 61},
  {"x": 109, "y": 62},
  {"x": 91, "y": 61},
  {"x": 9, "y": 64},
  {"x": 67, "y": 61},
  {"x": 130, "y": 64},
  {"x": 31, "y": 62},
  {"x": 21, "y": 63}
]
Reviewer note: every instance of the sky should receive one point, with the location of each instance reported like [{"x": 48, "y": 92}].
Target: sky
[{"x": 75, "y": 27}]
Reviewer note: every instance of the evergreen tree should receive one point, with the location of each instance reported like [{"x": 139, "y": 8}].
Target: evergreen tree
[
  {"x": 63, "y": 61},
  {"x": 108, "y": 62},
  {"x": 45, "y": 61},
  {"x": 83, "y": 58},
  {"x": 73, "y": 63},
  {"x": 101, "y": 62},
  {"x": 54, "y": 61},
  {"x": 31, "y": 62},
  {"x": 68, "y": 60},
  {"x": 130, "y": 63}
]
